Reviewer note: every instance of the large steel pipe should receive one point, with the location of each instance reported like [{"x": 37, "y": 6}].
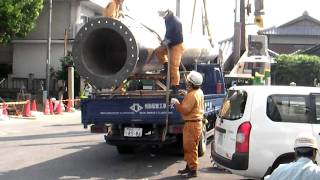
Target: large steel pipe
[{"x": 107, "y": 51}]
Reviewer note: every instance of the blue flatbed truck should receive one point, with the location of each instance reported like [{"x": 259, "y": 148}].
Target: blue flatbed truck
[{"x": 144, "y": 116}]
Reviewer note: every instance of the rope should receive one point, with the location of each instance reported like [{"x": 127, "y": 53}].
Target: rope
[{"x": 145, "y": 26}]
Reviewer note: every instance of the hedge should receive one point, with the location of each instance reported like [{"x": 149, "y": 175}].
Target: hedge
[{"x": 301, "y": 69}]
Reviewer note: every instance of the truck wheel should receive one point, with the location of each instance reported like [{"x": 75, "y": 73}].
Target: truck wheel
[
  {"x": 125, "y": 149},
  {"x": 203, "y": 142}
]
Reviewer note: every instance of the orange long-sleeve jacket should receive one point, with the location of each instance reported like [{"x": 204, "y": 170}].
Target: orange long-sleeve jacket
[
  {"x": 192, "y": 106},
  {"x": 112, "y": 9}
]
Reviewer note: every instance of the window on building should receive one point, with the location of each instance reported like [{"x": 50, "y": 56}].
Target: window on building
[
  {"x": 317, "y": 102},
  {"x": 84, "y": 19}
]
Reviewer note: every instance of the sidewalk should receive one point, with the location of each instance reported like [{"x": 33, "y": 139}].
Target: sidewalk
[{"x": 39, "y": 116}]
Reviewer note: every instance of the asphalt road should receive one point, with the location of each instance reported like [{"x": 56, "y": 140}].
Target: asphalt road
[{"x": 57, "y": 147}]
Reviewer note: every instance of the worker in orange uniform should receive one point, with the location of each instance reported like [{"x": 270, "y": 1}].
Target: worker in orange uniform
[
  {"x": 174, "y": 41},
  {"x": 113, "y": 8},
  {"x": 191, "y": 109}
]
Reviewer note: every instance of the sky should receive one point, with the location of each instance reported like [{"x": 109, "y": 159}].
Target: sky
[{"x": 220, "y": 13}]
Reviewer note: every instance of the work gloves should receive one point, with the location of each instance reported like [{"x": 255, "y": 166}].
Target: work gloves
[
  {"x": 165, "y": 42},
  {"x": 174, "y": 101}
]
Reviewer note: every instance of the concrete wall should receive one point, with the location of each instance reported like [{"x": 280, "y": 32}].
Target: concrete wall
[
  {"x": 29, "y": 54},
  {"x": 60, "y": 21},
  {"x": 32, "y": 59}
]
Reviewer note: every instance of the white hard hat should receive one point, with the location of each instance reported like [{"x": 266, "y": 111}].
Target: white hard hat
[
  {"x": 195, "y": 78},
  {"x": 305, "y": 140},
  {"x": 162, "y": 13}
]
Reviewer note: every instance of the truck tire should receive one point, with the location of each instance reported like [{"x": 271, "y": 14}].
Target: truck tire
[
  {"x": 203, "y": 142},
  {"x": 125, "y": 149}
]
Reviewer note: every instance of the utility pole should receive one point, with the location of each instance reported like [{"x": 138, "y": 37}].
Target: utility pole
[
  {"x": 239, "y": 44},
  {"x": 49, "y": 49},
  {"x": 178, "y": 8}
]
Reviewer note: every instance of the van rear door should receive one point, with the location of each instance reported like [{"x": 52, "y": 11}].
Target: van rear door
[
  {"x": 315, "y": 101},
  {"x": 231, "y": 118}
]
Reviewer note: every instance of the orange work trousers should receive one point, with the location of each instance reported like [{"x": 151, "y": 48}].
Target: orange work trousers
[
  {"x": 191, "y": 137},
  {"x": 175, "y": 59}
]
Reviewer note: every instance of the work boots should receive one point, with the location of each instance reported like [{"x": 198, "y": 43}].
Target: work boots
[
  {"x": 184, "y": 171},
  {"x": 164, "y": 71},
  {"x": 192, "y": 174}
]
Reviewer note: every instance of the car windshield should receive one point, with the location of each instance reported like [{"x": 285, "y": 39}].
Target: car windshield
[{"x": 233, "y": 105}]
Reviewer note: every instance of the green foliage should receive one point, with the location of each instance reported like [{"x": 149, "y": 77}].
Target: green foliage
[
  {"x": 18, "y": 17},
  {"x": 301, "y": 69}
]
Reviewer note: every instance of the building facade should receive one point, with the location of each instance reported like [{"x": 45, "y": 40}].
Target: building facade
[
  {"x": 294, "y": 36},
  {"x": 25, "y": 59}
]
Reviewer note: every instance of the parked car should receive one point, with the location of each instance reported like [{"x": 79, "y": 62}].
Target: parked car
[{"x": 257, "y": 126}]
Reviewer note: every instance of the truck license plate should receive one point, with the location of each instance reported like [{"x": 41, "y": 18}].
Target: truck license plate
[{"x": 132, "y": 132}]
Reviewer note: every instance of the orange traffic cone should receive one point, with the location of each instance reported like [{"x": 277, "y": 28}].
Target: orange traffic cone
[
  {"x": 46, "y": 110},
  {"x": 4, "y": 112},
  {"x": 58, "y": 109},
  {"x": 68, "y": 109},
  {"x": 34, "y": 106},
  {"x": 4, "y": 109},
  {"x": 51, "y": 107},
  {"x": 26, "y": 111}
]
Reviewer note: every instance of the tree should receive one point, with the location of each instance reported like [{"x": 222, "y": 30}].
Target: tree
[
  {"x": 301, "y": 69},
  {"x": 18, "y": 17}
]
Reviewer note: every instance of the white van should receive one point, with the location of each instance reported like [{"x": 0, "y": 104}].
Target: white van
[{"x": 257, "y": 126}]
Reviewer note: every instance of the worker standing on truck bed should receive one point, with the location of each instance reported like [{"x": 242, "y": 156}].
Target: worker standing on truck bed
[
  {"x": 113, "y": 8},
  {"x": 192, "y": 110},
  {"x": 174, "y": 41}
]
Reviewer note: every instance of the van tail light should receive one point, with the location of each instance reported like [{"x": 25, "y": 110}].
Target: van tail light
[{"x": 243, "y": 138}]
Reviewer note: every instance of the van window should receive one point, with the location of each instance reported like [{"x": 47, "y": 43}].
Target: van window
[
  {"x": 287, "y": 108},
  {"x": 233, "y": 105},
  {"x": 317, "y": 102}
]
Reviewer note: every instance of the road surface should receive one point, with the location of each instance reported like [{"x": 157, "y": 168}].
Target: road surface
[{"x": 57, "y": 147}]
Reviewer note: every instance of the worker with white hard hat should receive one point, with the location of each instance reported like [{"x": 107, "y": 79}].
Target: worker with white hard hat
[
  {"x": 192, "y": 110},
  {"x": 173, "y": 41},
  {"x": 305, "y": 148}
]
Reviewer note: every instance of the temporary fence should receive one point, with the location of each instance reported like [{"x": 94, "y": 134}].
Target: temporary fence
[{"x": 26, "y": 109}]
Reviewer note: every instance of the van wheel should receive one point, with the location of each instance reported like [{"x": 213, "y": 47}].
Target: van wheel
[
  {"x": 203, "y": 142},
  {"x": 125, "y": 149}
]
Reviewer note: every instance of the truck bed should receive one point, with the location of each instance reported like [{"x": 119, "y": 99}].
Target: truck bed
[
  {"x": 151, "y": 109},
  {"x": 116, "y": 109}
]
